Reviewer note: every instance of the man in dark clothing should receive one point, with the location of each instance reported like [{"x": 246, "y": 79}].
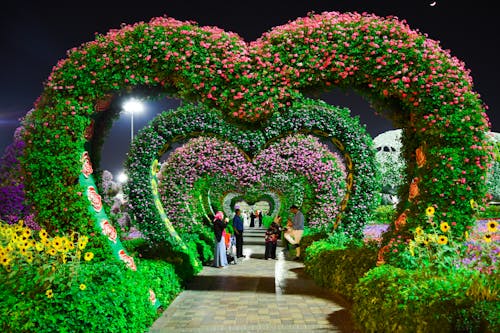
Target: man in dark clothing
[
  {"x": 238, "y": 232},
  {"x": 260, "y": 219},
  {"x": 252, "y": 219}
]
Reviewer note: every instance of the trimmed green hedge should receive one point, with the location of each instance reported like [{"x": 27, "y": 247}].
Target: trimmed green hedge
[
  {"x": 338, "y": 269},
  {"x": 114, "y": 298},
  {"x": 390, "y": 299}
]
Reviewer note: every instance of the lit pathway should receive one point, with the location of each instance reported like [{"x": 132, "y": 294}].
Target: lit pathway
[{"x": 255, "y": 295}]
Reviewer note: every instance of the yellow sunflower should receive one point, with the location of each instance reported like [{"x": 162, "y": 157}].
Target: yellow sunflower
[
  {"x": 83, "y": 287},
  {"x": 52, "y": 251},
  {"x": 430, "y": 211},
  {"x": 88, "y": 256},
  {"x": 473, "y": 203},
  {"x": 49, "y": 293},
  {"x": 442, "y": 240},
  {"x": 82, "y": 242},
  {"x": 445, "y": 227},
  {"x": 5, "y": 261},
  {"x": 419, "y": 231},
  {"x": 487, "y": 238},
  {"x": 43, "y": 233},
  {"x": 492, "y": 226},
  {"x": 45, "y": 242}
]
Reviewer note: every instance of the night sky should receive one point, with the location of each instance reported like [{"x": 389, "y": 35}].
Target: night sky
[{"x": 35, "y": 35}]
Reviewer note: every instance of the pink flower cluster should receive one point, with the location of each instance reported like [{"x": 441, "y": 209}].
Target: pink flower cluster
[{"x": 207, "y": 156}]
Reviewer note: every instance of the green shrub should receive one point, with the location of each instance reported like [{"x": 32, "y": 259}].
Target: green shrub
[
  {"x": 134, "y": 245},
  {"x": 62, "y": 284},
  {"x": 390, "y": 299},
  {"x": 104, "y": 297},
  {"x": 202, "y": 243},
  {"x": 308, "y": 239},
  {"x": 338, "y": 269},
  {"x": 383, "y": 214},
  {"x": 490, "y": 212}
]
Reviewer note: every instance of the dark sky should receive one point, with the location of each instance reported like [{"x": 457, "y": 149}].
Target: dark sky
[{"x": 35, "y": 35}]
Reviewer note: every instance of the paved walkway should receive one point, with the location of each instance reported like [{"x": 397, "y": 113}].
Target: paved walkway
[{"x": 255, "y": 295}]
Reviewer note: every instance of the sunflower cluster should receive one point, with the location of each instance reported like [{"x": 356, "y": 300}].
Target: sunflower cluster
[
  {"x": 19, "y": 244},
  {"x": 433, "y": 245}
]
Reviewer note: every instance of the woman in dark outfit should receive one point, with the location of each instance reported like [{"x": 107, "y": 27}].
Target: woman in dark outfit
[{"x": 220, "y": 259}]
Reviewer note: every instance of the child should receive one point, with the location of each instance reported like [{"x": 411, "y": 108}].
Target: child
[{"x": 273, "y": 233}]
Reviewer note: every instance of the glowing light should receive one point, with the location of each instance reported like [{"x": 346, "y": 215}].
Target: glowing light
[
  {"x": 133, "y": 105},
  {"x": 122, "y": 177}
]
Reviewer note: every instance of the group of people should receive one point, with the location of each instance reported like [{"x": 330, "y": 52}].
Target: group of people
[
  {"x": 292, "y": 233},
  {"x": 255, "y": 215}
]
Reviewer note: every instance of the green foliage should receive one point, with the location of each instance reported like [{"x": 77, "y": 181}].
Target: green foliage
[
  {"x": 338, "y": 267},
  {"x": 308, "y": 239},
  {"x": 65, "y": 284},
  {"x": 134, "y": 245},
  {"x": 104, "y": 297},
  {"x": 383, "y": 214},
  {"x": 390, "y": 299},
  {"x": 490, "y": 212},
  {"x": 201, "y": 243}
]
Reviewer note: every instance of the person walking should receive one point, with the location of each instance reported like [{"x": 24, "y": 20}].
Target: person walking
[
  {"x": 219, "y": 224},
  {"x": 260, "y": 219},
  {"x": 297, "y": 231},
  {"x": 238, "y": 232}
]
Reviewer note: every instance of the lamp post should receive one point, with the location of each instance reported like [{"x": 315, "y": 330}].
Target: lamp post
[
  {"x": 132, "y": 106},
  {"x": 122, "y": 178}
]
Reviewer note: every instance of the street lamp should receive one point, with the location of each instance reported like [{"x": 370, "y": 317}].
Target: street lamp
[
  {"x": 122, "y": 177},
  {"x": 132, "y": 106}
]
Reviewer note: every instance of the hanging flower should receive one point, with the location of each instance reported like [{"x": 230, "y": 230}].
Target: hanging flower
[
  {"x": 430, "y": 211},
  {"x": 445, "y": 227},
  {"x": 419, "y": 231},
  {"x": 420, "y": 156},
  {"x": 442, "y": 240},
  {"x": 492, "y": 226},
  {"x": 381, "y": 254},
  {"x": 400, "y": 221},
  {"x": 414, "y": 191},
  {"x": 49, "y": 293},
  {"x": 83, "y": 287}
]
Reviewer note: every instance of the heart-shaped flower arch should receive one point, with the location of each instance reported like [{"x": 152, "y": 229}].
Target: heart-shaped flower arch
[
  {"x": 313, "y": 117},
  {"x": 430, "y": 91},
  {"x": 295, "y": 155}
]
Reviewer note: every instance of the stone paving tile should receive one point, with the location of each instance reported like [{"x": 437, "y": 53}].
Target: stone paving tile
[{"x": 253, "y": 296}]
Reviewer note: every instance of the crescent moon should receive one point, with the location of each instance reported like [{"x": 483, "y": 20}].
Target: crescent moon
[{"x": 433, "y": 4}]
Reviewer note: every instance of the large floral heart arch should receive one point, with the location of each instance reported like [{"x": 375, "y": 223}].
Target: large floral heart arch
[
  {"x": 357, "y": 197},
  {"x": 431, "y": 94}
]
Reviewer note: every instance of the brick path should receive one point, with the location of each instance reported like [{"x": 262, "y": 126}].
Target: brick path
[{"x": 255, "y": 295}]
